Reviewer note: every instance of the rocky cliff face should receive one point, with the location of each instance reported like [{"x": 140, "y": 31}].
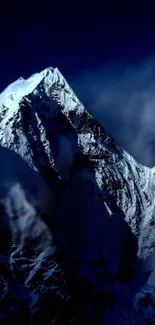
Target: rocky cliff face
[{"x": 101, "y": 212}]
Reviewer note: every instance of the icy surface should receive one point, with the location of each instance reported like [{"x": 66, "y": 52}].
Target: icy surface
[{"x": 101, "y": 209}]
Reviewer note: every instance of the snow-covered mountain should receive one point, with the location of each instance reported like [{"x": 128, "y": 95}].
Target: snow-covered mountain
[{"x": 100, "y": 212}]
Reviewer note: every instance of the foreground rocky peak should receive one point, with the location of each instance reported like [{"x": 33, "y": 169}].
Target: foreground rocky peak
[
  {"x": 106, "y": 210},
  {"x": 36, "y": 111}
]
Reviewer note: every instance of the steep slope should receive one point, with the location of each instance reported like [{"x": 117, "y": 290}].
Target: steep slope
[{"x": 105, "y": 209}]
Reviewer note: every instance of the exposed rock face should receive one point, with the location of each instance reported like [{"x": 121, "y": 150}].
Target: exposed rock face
[{"x": 99, "y": 212}]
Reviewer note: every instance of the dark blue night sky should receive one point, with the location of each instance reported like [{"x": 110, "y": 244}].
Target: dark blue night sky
[{"x": 72, "y": 36}]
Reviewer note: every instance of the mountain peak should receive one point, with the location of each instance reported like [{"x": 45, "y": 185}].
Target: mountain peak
[
  {"x": 22, "y": 87},
  {"x": 107, "y": 207}
]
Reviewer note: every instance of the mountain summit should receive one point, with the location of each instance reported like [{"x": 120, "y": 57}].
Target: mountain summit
[{"x": 100, "y": 206}]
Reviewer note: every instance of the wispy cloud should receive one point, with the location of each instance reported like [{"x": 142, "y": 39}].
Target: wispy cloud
[{"x": 122, "y": 98}]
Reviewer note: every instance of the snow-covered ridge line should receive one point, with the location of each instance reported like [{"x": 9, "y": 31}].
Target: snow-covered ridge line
[{"x": 22, "y": 87}]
